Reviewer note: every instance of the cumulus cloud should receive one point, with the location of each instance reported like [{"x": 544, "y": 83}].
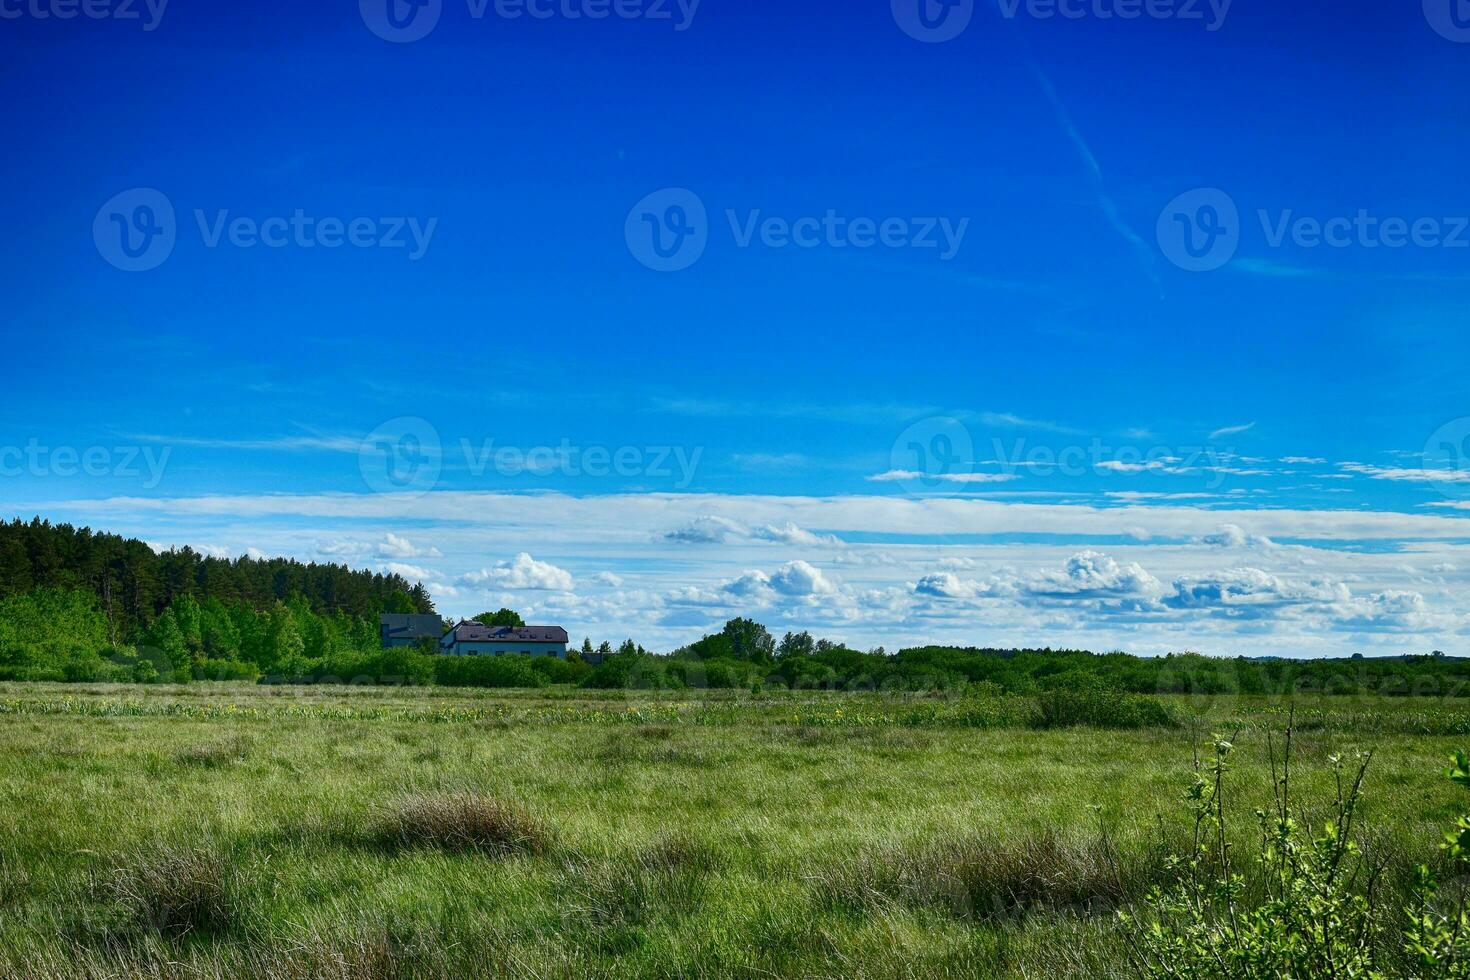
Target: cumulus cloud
[
  {"x": 413, "y": 573},
  {"x": 1252, "y": 590},
  {"x": 947, "y": 585},
  {"x": 712, "y": 529},
  {"x": 1234, "y": 536},
  {"x": 1390, "y": 611},
  {"x": 392, "y": 546},
  {"x": 794, "y": 579},
  {"x": 608, "y": 578},
  {"x": 1093, "y": 575},
  {"x": 523, "y": 572},
  {"x": 708, "y": 529}
]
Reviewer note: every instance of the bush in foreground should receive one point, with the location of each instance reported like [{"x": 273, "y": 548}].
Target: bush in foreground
[{"x": 1316, "y": 911}]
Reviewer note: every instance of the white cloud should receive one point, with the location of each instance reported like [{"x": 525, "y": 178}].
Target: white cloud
[
  {"x": 1231, "y": 430},
  {"x": 712, "y": 529},
  {"x": 707, "y": 529},
  {"x": 524, "y": 572},
  {"x": 799, "y": 578},
  {"x": 895, "y": 476},
  {"x": 1234, "y": 536},
  {"x": 947, "y": 585},
  {"x": 608, "y": 578},
  {"x": 789, "y": 533},
  {"x": 1251, "y": 588},
  {"x": 1303, "y": 460},
  {"x": 1093, "y": 575},
  {"x": 793, "y": 579},
  {"x": 392, "y": 546},
  {"x": 1411, "y": 475},
  {"x": 413, "y": 573}
]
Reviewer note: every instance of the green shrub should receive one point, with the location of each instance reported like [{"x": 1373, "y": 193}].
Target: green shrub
[
  {"x": 1312, "y": 907},
  {"x": 508, "y": 670},
  {"x": 637, "y": 671},
  {"x": 1101, "y": 709},
  {"x": 558, "y": 671}
]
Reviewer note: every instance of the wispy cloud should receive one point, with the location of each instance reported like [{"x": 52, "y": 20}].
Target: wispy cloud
[
  {"x": 1009, "y": 420},
  {"x": 308, "y": 443},
  {"x": 1231, "y": 430},
  {"x": 1407, "y": 474},
  {"x": 1105, "y": 202},
  {"x": 896, "y": 476},
  {"x": 1275, "y": 270}
]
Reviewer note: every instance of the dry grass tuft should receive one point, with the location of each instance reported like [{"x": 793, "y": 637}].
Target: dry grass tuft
[
  {"x": 462, "y": 822},
  {"x": 178, "y": 889},
  {"x": 213, "y": 755},
  {"x": 665, "y": 878},
  {"x": 983, "y": 876}
]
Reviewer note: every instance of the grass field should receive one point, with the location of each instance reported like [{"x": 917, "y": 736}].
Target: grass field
[{"x": 244, "y": 831}]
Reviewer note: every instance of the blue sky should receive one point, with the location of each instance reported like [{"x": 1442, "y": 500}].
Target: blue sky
[{"x": 1075, "y": 329}]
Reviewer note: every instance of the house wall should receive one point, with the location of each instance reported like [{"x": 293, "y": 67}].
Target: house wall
[{"x": 495, "y": 649}]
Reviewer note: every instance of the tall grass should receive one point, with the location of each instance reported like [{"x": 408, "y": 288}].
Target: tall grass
[{"x": 230, "y": 833}]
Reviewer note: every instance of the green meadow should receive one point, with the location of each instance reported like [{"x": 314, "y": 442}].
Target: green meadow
[{"x": 238, "y": 830}]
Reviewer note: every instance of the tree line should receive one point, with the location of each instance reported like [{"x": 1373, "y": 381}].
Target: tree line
[
  {"x": 76, "y": 604},
  {"x": 79, "y": 605}
]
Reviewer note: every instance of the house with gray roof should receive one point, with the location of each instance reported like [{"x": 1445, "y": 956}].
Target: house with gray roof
[
  {"x": 469, "y": 638},
  {"x": 407, "y": 629}
]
